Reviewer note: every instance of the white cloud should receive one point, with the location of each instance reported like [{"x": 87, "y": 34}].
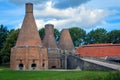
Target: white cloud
[
  {"x": 18, "y": 26},
  {"x": 40, "y": 23},
  {"x": 81, "y": 16}
]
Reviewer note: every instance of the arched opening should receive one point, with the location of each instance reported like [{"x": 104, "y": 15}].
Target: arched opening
[
  {"x": 33, "y": 66},
  {"x": 53, "y": 67},
  {"x": 43, "y": 65},
  {"x": 21, "y": 66}
]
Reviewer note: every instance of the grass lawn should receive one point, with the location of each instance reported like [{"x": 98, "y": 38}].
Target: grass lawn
[{"x": 7, "y": 74}]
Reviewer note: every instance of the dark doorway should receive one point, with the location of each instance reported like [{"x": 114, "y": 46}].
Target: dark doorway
[
  {"x": 53, "y": 67},
  {"x": 43, "y": 65},
  {"x": 33, "y": 66},
  {"x": 21, "y": 66}
]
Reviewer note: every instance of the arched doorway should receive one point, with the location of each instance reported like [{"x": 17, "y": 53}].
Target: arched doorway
[
  {"x": 21, "y": 65},
  {"x": 33, "y": 65},
  {"x": 53, "y": 67}
]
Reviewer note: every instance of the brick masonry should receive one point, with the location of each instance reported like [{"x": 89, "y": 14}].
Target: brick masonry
[
  {"x": 99, "y": 50},
  {"x": 50, "y": 43},
  {"x": 28, "y": 56},
  {"x": 49, "y": 39},
  {"x": 28, "y": 53},
  {"x": 65, "y": 42}
]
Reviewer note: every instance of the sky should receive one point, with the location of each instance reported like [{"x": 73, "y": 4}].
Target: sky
[{"x": 85, "y": 14}]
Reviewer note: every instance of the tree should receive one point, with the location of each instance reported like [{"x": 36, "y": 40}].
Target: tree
[
  {"x": 42, "y": 33},
  {"x": 56, "y": 33},
  {"x": 77, "y": 35},
  {"x": 96, "y": 36},
  {"x": 113, "y": 36},
  {"x": 3, "y": 34},
  {"x": 8, "y": 44}
]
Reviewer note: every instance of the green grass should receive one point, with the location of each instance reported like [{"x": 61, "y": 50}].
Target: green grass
[{"x": 7, "y": 74}]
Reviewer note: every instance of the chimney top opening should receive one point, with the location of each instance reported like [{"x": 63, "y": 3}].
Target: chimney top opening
[{"x": 29, "y": 8}]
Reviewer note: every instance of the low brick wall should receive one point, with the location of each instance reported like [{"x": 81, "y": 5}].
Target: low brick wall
[{"x": 99, "y": 50}]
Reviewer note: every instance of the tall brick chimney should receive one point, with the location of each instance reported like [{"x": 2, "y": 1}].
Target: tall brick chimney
[
  {"x": 49, "y": 39},
  {"x": 29, "y": 34},
  {"x": 65, "y": 42}
]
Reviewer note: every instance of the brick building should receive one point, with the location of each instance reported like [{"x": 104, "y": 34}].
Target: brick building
[
  {"x": 28, "y": 53},
  {"x": 54, "y": 57},
  {"x": 99, "y": 50}
]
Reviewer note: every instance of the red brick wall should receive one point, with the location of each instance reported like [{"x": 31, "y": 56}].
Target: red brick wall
[
  {"x": 99, "y": 50},
  {"x": 27, "y": 55}
]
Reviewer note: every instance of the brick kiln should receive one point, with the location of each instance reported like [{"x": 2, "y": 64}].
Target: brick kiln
[{"x": 28, "y": 53}]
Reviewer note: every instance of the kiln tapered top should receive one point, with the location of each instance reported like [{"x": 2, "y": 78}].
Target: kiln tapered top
[
  {"x": 65, "y": 42},
  {"x": 29, "y": 34},
  {"x": 49, "y": 39},
  {"x": 49, "y": 29}
]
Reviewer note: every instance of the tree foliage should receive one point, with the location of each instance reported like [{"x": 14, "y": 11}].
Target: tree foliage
[
  {"x": 8, "y": 44},
  {"x": 42, "y": 33},
  {"x": 3, "y": 34},
  {"x": 77, "y": 35},
  {"x": 96, "y": 36},
  {"x": 56, "y": 34},
  {"x": 113, "y": 36}
]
